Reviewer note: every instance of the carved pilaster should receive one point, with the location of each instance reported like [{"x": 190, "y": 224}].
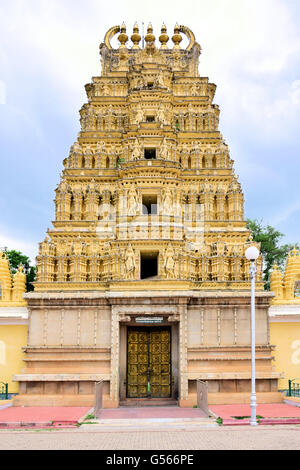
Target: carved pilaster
[
  {"x": 115, "y": 347},
  {"x": 78, "y": 327},
  {"x": 235, "y": 325},
  {"x": 183, "y": 377}
]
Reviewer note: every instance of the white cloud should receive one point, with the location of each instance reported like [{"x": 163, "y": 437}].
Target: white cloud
[
  {"x": 295, "y": 92},
  {"x": 285, "y": 213},
  {"x": 239, "y": 38},
  {"x": 2, "y": 92},
  {"x": 19, "y": 244}
]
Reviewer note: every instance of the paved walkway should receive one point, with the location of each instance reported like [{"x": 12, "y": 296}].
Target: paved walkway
[
  {"x": 220, "y": 438},
  {"x": 276, "y": 410}
]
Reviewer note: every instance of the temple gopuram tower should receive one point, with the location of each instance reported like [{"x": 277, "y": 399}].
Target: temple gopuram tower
[{"x": 142, "y": 281}]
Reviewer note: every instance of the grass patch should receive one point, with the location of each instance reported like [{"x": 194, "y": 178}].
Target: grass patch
[
  {"x": 248, "y": 417},
  {"x": 89, "y": 417}
]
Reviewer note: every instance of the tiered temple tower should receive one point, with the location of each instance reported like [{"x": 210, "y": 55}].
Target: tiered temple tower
[
  {"x": 12, "y": 286},
  {"x": 13, "y": 321},
  {"x": 287, "y": 287},
  {"x": 149, "y": 227}
]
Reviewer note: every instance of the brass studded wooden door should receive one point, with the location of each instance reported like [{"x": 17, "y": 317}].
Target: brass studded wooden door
[{"x": 149, "y": 363}]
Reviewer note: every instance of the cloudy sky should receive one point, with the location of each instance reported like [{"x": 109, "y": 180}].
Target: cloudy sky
[{"x": 49, "y": 51}]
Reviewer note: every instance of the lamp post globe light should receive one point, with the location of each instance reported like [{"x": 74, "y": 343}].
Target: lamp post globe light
[{"x": 252, "y": 253}]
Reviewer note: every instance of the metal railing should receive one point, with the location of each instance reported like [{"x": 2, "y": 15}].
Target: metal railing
[
  {"x": 202, "y": 396},
  {"x": 98, "y": 398},
  {"x": 3, "y": 391},
  {"x": 294, "y": 388}
]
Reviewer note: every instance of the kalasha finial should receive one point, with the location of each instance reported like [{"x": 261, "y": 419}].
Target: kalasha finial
[
  {"x": 123, "y": 38},
  {"x": 150, "y": 38},
  {"x": 295, "y": 252},
  {"x": 135, "y": 38},
  {"x": 163, "y": 38},
  {"x": 176, "y": 38}
]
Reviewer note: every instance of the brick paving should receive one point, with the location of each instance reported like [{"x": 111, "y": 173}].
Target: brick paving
[{"x": 258, "y": 438}]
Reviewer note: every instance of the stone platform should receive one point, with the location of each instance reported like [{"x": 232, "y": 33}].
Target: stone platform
[{"x": 20, "y": 417}]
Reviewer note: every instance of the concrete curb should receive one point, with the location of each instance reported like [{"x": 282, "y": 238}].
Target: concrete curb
[{"x": 261, "y": 422}]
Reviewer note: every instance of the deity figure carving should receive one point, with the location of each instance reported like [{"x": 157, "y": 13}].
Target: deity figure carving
[
  {"x": 164, "y": 150},
  {"x": 194, "y": 90},
  {"x": 140, "y": 82},
  {"x": 105, "y": 91},
  {"x": 169, "y": 262},
  {"x": 130, "y": 264},
  {"x": 197, "y": 146},
  {"x": 93, "y": 248},
  {"x": 76, "y": 148},
  {"x": 63, "y": 187},
  {"x": 123, "y": 59},
  {"x": 100, "y": 147},
  {"x": 99, "y": 121},
  {"x": 221, "y": 248},
  {"x": 167, "y": 201},
  {"x": 159, "y": 80},
  {"x": 89, "y": 119},
  {"x": 62, "y": 249},
  {"x": 45, "y": 246},
  {"x": 161, "y": 115},
  {"x": 136, "y": 150},
  {"x": 132, "y": 201},
  {"x": 190, "y": 109},
  {"x": 77, "y": 246},
  {"x": 139, "y": 116}
]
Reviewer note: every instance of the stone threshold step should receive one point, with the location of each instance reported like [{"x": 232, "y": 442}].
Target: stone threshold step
[
  {"x": 152, "y": 402},
  {"x": 148, "y": 421},
  {"x": 148, "y": 426}
]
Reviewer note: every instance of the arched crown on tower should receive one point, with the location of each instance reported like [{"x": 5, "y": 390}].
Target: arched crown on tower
[{"x": 150, "y": 37}]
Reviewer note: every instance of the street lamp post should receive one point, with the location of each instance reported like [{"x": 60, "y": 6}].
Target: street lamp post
[{"x": 252, "y": 253}]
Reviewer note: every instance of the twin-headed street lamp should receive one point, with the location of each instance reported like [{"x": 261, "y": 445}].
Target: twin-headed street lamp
[{"x": 252, "y": 253}]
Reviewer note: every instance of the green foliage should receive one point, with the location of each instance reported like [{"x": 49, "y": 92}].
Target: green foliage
[
  {"x": 271, "y": 250},
  {"x": 15, "y": 259},
  {"x": 120, "y": 160}
]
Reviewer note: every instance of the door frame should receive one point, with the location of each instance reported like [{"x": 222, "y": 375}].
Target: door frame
[{"x": 174, "y": 360}]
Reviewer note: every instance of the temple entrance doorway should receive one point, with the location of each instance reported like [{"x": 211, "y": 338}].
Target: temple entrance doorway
[{"x": 149, "y": 362}]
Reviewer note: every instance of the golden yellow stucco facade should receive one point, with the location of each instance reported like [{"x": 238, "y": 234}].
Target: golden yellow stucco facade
[
  {"x": 142, "y": 281},
  {"x": 285, "y": 318},
  {"x": 13, "y": 323}
]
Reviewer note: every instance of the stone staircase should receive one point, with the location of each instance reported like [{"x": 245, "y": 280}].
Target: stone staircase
[
  {"x": 149, "y": 424},
  {"x": 142, "y": 418}
]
